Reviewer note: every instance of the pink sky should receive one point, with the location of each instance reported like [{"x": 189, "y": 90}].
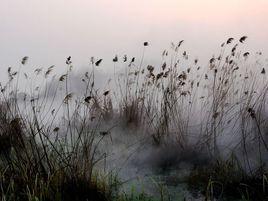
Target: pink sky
[{"x": 50, "y": 30}]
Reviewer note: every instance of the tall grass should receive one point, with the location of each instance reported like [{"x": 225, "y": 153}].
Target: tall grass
[
  {"x": 53, "y": 150},
  {"x": 43, "y": 158},
  {"x": 219, "y": 109}
]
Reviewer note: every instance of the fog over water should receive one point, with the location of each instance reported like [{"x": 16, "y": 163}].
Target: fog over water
[{"x": 49, "y": 31}]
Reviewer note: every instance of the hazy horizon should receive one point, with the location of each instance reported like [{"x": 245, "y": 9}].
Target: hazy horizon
[{"x": 49, "y": 31}]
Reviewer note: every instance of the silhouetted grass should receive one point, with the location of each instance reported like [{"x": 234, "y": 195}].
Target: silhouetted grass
[{"x": 53, "y": 150}]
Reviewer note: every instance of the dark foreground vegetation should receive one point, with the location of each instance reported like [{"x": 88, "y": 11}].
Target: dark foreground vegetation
[{"x": 211, "y": 120}]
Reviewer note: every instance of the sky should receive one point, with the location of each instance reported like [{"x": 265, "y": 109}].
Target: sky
[{"x": 49, "y": 31}]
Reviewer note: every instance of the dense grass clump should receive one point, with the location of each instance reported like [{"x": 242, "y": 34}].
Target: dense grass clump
[{"x": 228, "y": 181}]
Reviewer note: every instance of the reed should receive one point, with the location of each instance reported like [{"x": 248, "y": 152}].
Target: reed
[{"x": 54, "y": 151}]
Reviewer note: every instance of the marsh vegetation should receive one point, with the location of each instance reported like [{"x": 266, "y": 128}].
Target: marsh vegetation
[{"x": 181, "y": 123}]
